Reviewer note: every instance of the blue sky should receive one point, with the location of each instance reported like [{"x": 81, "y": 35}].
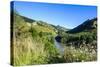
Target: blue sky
[{"x": 65, "y": 15}]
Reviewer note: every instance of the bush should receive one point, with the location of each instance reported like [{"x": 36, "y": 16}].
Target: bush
[{"x": 33, "y": 32}]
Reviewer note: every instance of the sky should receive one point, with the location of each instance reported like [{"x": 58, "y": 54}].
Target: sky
[{"x": 66, "y": 15}]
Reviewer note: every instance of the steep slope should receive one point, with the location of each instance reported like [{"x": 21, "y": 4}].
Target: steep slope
[
  {"x": 82, "y": 35},
  {"x": 31, "y": 42},
  {"x": 88, "y": 25},
  {"x": 28, "y": 19},
  {"x": 81, "y": 42}
]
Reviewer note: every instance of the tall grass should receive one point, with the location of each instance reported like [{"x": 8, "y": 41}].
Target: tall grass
[
  {"x": 72, "y": 54},
  {"x": 29, "y": 51},
  {"x": 30, "y": 48}
]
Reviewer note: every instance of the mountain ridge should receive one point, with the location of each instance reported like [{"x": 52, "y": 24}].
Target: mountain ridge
[{"x": 88, "y": 25}]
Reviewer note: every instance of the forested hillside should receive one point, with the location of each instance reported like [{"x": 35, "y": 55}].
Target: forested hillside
[
  {"x": 84, "y": 34},
  {"x": 80, "y": 41},
  {"x": 87, "y": 26}
]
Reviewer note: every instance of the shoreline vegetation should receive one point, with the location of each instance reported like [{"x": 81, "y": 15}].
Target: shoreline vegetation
[{"x": 33, "y": 42}]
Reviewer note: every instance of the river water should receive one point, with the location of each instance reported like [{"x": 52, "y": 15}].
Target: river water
[{"x": 59, "y": 46}]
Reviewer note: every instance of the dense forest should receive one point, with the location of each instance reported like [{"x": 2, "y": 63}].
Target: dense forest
[{"x": 33, "y": 42}]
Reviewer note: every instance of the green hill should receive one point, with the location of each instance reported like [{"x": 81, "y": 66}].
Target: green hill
[
  {"x": 82, "y": 35},
  {"x": 81, "y": 42},
  {"x": 88, "y": 25},
  {"x": 33, "y": 41}
]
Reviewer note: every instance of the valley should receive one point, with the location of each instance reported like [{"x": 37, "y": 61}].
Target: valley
[{"x": 38, "y": 42}]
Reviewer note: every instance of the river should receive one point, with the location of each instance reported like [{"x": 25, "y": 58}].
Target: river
[{"x": 59, "y": 46}]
